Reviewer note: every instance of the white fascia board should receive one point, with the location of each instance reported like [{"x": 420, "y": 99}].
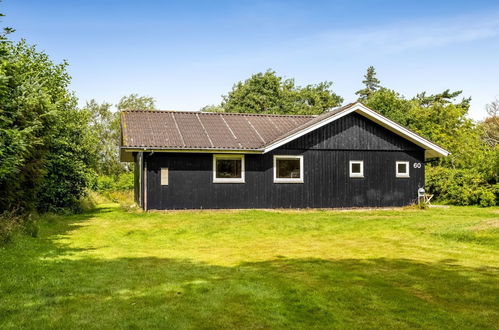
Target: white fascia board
[{"x": 431, "y": 149}]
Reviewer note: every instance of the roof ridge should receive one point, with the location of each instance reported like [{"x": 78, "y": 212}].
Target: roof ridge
[{"x": 223, "y": 113}]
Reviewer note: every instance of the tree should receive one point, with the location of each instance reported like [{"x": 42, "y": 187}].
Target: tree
[
  {"x": 265, "y": 92},
  {"x": 491, "y": 124},
  {"x": 371, "y": 83},
  {"x": 136, "y": 102},
  {"x": 41, "y": 131},
  {"x": 212, "y": 108},
  {"x": 445, "y": 97},
  {"x": 105, "y": 126},
  {"x": 69, "y": 162}
]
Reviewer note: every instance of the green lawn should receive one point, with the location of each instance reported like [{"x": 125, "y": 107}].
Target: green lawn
[{"x": 436, "y": 268}]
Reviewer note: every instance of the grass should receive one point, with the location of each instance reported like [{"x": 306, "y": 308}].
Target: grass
[{"x": 404, "y": 268}]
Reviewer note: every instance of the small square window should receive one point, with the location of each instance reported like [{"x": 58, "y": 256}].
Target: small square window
[
  {"x": 288, "y": 169},
  {"x": 356, "y": 169},
  {"x": 228, "y": 168},
  {"x": 402, "y": 169}
]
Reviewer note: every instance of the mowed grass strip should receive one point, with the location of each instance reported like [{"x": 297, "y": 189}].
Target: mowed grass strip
[{"x": 402, "y": 268}]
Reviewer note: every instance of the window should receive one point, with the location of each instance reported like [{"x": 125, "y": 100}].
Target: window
[
  {"x": 356, "y": 168},
  {"x": 228, "y": 168},
  {"x": 288, "y": 169},
  {"x": 164, "y": 176},
  {"x": 402, "y": 169}
]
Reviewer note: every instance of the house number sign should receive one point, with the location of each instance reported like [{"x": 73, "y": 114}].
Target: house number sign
[{"x": 417, "y": 165}]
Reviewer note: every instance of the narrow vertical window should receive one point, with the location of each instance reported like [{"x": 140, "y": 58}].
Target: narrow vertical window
[
  {"x": 164, "y": 176},
  {"x": 402, "y": 169},
  {"x": 228, "y": 168},
  {"x": 356, "y": 168},
  {"x": 288, "y": 169}
]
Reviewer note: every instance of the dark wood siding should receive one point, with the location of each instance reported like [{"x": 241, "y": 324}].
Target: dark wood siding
[
  {"x": 326, "y": 152},
  {"x": 352, "y": 132}
]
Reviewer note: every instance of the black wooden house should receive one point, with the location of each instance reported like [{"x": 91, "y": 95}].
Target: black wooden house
[{"x": 348, "y": 157}]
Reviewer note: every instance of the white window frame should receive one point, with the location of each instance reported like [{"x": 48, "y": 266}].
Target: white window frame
[
  {"x": 356, "y": 175},
  {"x": 401, "y": 175},
  {"x": 288, "y": 180},
  {"x": 228, "y": 180}
]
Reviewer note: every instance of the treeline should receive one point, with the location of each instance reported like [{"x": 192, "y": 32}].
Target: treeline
[{"x": 52, "y": 152}]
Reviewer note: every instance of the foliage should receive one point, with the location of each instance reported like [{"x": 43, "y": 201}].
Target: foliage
[
  {"x": 212, "y": 108},
  {"x": 369, "y": 269},
  {"x": 105, "y": 127},
  {"x": 371, "y": 83},
  {"x": 461, "y": 186},
  {"x": 443, "y": 119},
  {"x": 45, "y": 148},
  {"x": 121, "y": 182},
  {"x": 136, "y": 102},
  {"x": 491, "y": 124},
  {"x": 265, "y": 92}
]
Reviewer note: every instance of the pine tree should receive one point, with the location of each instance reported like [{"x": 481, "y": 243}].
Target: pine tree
[{"x": 371, "y": 83}]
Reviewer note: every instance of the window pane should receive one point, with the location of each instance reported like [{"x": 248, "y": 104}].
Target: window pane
[
  {"x": 356, "y": 168},
  {"x": 402, "y": 168},
  {"x": 288, "y": 168},
  {"x": 228, "y": 168}
]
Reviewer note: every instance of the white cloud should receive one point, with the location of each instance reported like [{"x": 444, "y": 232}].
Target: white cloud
[{"x": 413, "y": 34}]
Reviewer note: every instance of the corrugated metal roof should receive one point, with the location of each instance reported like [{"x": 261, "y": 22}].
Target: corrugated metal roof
[{"x": 204, "y": 130}]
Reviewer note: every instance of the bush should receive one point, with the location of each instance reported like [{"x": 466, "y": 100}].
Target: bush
[
  {"x": 487, "y": 198},
  {"x": 125, "y": 182},
  {"x": 121, "y": 182},
  {"x": 104, "y": 183},
  {"x": 460, "y": 187}
]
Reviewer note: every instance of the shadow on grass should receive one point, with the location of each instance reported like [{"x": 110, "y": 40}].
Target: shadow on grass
[{"x": 281, "y": 293}]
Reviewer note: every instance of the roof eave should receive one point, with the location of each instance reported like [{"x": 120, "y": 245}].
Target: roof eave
[{"x": 190, "y": 150}]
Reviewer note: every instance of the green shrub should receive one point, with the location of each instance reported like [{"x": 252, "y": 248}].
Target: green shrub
[
  {"x": 122, "y": 182},
  {"x": 104, "y": 183},
  {"x": 488, "y": 198},
  {"x": 460, "y": 186}
]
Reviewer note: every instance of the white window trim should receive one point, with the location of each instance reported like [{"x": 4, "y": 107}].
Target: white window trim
[
  {"x": 356, "y": 175},
  {"x": 288, "y": 180},
  {"x": 402, "y": 175},
  {"x": 228, "y": 180}
]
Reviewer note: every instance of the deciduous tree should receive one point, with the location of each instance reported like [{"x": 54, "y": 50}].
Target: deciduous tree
[{"x": 266, "y": 92}]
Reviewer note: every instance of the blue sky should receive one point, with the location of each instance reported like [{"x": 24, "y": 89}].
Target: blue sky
[{"x": 186, "y": 54}]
